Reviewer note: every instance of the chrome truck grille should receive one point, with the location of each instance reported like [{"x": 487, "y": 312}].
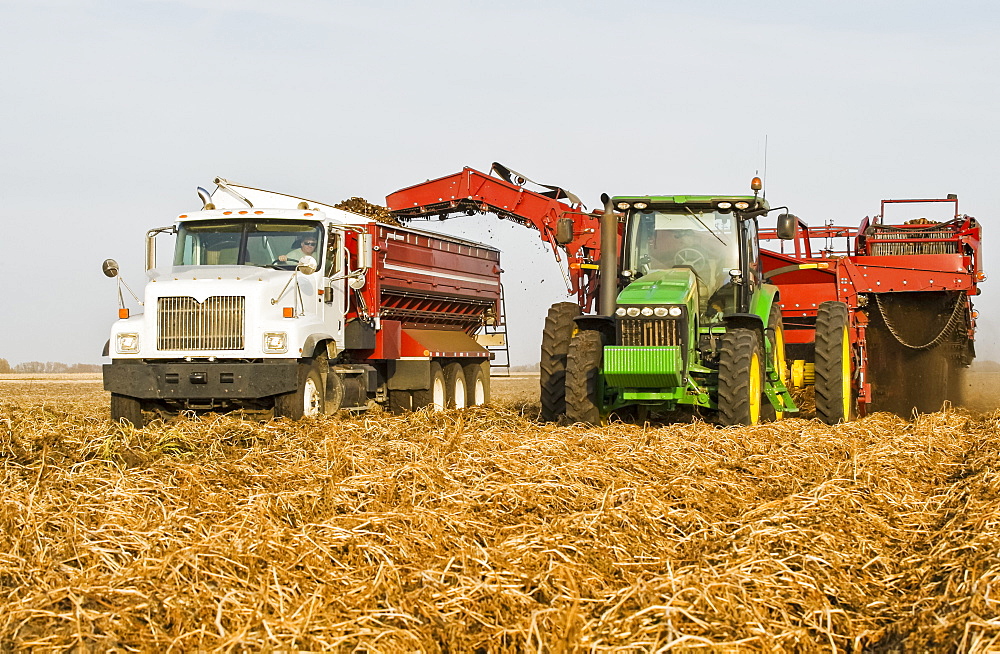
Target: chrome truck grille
[
  {"x": 183, "y": 323},
  {"x": 649, "y": 332}
]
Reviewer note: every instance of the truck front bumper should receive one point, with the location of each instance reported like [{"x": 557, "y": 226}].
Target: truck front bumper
[{"x": 200, "y": 380}]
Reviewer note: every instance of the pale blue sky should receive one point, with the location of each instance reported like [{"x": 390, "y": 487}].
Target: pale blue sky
[{"x": 113, "y": 112}]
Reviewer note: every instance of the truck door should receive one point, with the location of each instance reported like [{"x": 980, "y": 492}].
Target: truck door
[{"x": 334, "y": 284}]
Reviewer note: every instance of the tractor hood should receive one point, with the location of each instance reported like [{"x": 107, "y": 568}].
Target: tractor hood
[{"x": 672, "y": 286}]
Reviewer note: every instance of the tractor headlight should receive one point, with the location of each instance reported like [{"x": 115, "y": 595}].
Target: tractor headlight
[
  {"x": 675, "y": 311},
  {"x": 660, "y": 312},
  {"x": 623, "y": 205},
  {"x": 742, "y": 205},
  {"x": 620, "y": 312},
  {"x": 275, "y": 342},
  {"x": 127, "y": 343},
  {"x": 640, "y": 205},
  {"x": 632, "y": 311},
  {"x": 646, "y": 311}
]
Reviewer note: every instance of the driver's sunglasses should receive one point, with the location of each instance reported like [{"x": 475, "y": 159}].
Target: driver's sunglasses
[{"x": 312, "y": 243}]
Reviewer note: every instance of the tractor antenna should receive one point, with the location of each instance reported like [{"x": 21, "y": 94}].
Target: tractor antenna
[{"x": 764, "y": 196}]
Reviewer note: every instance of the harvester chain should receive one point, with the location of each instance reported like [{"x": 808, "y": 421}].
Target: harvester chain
[{"x": 956, "y": 315}]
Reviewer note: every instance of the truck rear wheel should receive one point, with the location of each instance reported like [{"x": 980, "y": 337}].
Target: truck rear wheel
[
  {"x": 458, "y": 390},
  {"x": 583, "y": 377},
  {"x": 305, "y": 402},
  {"x": 477, "y": 381},
  {"x": 559, "y": 328},
  {"x": 126, "y": 408},
  {"x": 435, "y": 397},
  {"x": 834, "y": 392},
  {"x": 741, "y": 377}
]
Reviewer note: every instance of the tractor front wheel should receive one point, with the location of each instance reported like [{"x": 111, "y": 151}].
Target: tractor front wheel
[
  {"x": 583, "y": 372},
  {"x": 741, "y": 377}
]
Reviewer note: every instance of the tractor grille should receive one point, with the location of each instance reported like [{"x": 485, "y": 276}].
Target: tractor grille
[
  {"x": 649, "y": 332},
  {"x": 183, "y": 323}
]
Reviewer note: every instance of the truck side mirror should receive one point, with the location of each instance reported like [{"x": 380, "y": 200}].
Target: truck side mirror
[
  {"x": 788, "y": 226},
  {"x": 564, "y": 231},
  {"x": 110, "y": 267}
]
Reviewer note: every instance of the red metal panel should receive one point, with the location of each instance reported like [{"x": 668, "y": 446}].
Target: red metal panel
[{"x": 437, "y": 343}]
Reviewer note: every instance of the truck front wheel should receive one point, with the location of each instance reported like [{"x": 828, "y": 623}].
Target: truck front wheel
[
  {"x": 583, "y": 377},
  {"x": 126, "y": 408},
  {"x": 307, "y": 401},
  {"x": 741, "y": 377}
]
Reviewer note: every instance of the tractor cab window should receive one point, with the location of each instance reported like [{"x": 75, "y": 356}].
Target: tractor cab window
[
  {"x": 702, "y": 241},
  {"x": 266, "y": 243}
]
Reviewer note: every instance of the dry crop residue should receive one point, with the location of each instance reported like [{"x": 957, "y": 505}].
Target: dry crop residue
[{"x": 481, "y": 530}]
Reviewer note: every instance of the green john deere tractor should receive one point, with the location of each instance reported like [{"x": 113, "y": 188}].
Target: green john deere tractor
[{"x": 685, "y": 320}]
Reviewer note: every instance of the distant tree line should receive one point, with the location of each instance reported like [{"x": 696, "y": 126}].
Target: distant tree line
[{"x": 48, "y": 366}]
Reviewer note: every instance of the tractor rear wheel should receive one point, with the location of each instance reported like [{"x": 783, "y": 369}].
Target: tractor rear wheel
[
  {"x": 559, "y": 328},
  {"x": 834, "y": 392},
  {"x": 583, "y": 372},
  {"x": 741, "y": 377}
]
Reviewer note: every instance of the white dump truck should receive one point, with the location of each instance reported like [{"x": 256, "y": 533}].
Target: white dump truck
[{"x": 279, "y": 305}]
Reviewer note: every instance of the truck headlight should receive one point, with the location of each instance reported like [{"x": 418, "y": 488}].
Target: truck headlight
[
  {"x": 127, "y": 343},
  {"x": 275, "y": 342}
]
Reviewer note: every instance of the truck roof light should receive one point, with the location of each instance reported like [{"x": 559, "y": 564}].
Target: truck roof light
[
  {"x": 259, "y": 212},
  {"x": 243, "y": 213},
  {"x": 183, "y": 215},
  {"x": 307, "y": 214},
  {"x": 227, "y": 213}
]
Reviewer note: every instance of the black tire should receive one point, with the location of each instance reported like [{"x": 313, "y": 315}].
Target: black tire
[
  {"x": 128, "y": 409},
  {"x": 435, "y": 397},
  {"x": 741, "y": 377},
  {"x": 477, "y": 382},
  {"x": 832, "y": 358},
  {"x": 454, "y": 381},
  {"x": 776, "y": 340},
  {"x": 583, "y": 378},
  {"x": 559, "y": 328},
  {"x": 400, "y": 402},
  {"x": 306, "y": 400},
  {"x": 333, "y": 400}
]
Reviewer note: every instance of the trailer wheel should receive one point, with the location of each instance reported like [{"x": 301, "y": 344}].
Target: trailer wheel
[
  {"x": 126, "y": 408},
  {"x": 400, "y": 402},
  {"x": 583, "y": 377},
  {"x": 458, "y": 390},
  {"x": 305, "y": 402},
  {"x": 834, "y": 392},
  {"x": 436, "y": 397},
  {"x": 477, "y": 381},
  {"x": 741, "y": 377},
  {"x": 776, "y": 337},
  {"x": 559, "y": 328}
]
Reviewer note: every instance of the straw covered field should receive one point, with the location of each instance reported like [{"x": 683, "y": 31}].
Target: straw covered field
[{"x": 485, "y": 531}]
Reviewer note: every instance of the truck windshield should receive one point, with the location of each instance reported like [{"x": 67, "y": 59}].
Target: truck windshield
[
  {"x": 704, "y": 241},
  {"x": 273, "y": 243}
]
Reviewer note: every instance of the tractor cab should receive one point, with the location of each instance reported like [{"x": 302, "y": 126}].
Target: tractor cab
[{"x": 698, "y": 238}]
